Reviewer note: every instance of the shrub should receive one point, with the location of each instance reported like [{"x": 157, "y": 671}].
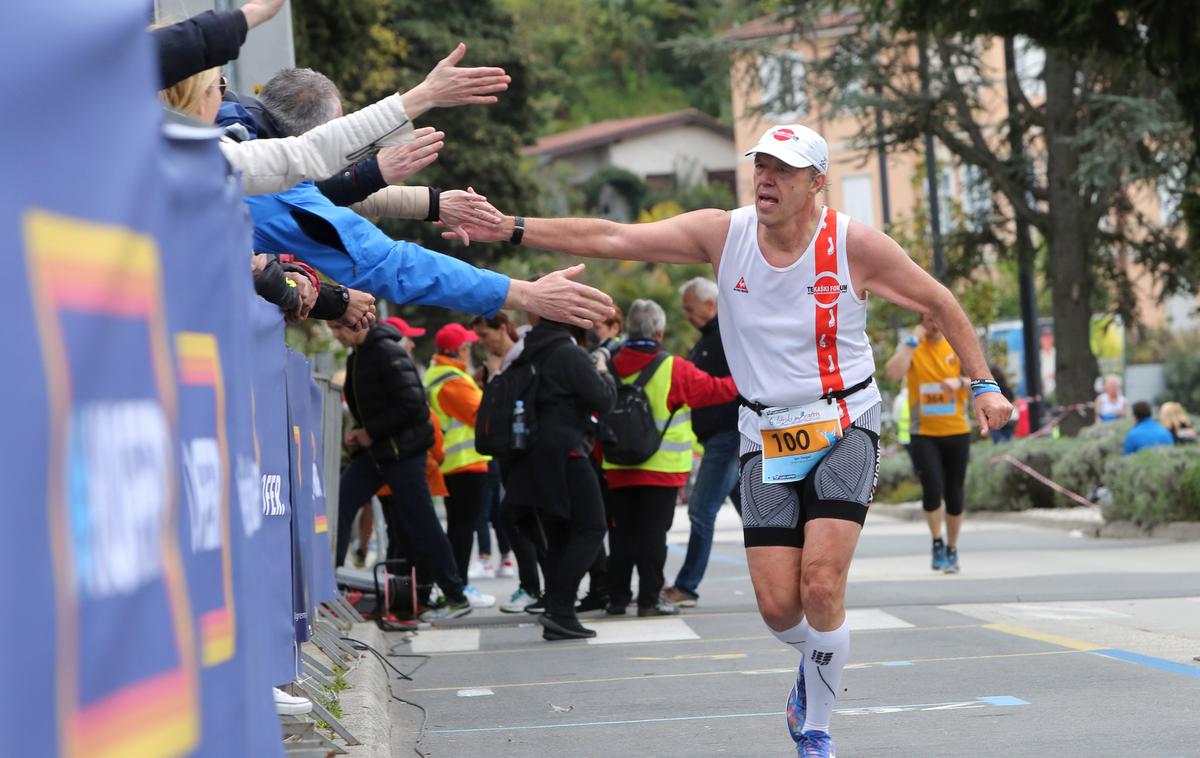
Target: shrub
[
  {"x": 1154, "y": 486},
  {"x": 1080, "y": 468},
  {"x": 997, "y": 485},
  {"x": 895, "y": 471}
]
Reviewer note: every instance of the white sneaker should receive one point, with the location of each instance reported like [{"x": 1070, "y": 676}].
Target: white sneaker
[
  {"x": 481, "y": 570},
  {"x": 517, "y": 603},
  {"x": 479, "y": 599},
  {"x": 290, "y": 705},
  {"x": 507, "y": 568}
]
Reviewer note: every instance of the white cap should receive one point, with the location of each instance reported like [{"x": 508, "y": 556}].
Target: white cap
[{"x": 796, "y": 145}]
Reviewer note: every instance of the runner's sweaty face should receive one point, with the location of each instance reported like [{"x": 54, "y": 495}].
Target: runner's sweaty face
[{"x": 782, "y": 191}]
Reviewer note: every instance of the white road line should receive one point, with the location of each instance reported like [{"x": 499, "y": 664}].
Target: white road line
[
  {"x": 445, "y": 641},
  {"x": 642, "y": 630},
  {"x": 862, "y": 619}
]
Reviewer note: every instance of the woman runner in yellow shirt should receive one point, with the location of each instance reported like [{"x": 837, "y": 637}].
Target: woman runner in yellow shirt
[{"x": 941, "y": 441}]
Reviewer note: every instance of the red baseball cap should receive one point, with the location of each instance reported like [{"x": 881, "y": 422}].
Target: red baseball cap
[
  {"x": 452, "y": 336},
  {"x": 403, "y": 327}
]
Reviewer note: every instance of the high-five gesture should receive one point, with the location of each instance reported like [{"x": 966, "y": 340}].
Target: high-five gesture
[{"x": 447, "y": 85}]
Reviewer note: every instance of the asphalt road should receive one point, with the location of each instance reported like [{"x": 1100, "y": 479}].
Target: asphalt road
[{"x": 1045, "y": 644}]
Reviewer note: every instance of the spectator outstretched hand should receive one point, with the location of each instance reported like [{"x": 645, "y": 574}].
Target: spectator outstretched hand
[
  {"x": 360, "y": 312},
  {"x": 447, "y": 85},
  {"x": 400, "y": 162},
  {"x": 461, "y": 210}
]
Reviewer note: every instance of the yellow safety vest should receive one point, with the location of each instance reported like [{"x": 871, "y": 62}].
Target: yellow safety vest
[
  {"x": 674, "y": 455},
  {"x": 459, "y": 439}
]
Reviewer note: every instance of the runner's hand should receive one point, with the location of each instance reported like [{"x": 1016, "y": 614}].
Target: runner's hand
[{"x": 992, "y": 411}]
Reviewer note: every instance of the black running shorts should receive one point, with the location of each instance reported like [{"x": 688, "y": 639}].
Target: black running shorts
[{"x": 841, "y": 486}]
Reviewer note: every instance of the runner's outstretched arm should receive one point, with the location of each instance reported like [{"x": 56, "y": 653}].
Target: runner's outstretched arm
[
  {"x": 880, "y": 266},
  {"x": 695, "y": 237}
]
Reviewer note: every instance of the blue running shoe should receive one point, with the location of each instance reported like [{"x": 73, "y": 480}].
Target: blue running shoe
[
  {"x": 797, "y": 706},
  {"x": 816, "y": 745},
  {"x": 939, "y": 555},
  {"x": 951, "y": 566}
]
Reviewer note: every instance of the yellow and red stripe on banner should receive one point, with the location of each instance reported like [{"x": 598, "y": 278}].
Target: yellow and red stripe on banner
[
  {"x": 200, "y": 366},
  {"x": 320, "y": 524},
  {"x": 150, "y": 718},
  {"x": 107, "y": 270}
]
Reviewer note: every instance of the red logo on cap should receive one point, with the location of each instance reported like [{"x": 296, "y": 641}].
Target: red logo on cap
[{"x": 783, "y": 135}]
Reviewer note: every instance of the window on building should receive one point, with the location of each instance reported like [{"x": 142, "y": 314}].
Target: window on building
[
  {"x": 1030, "y": 62},
  {"x": 976, "y": 196},
  {"x": 858, "y": 198},
  {"x": 783, "y": 86}
]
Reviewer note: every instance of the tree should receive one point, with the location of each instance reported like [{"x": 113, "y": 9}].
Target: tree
[
  {"x": 1107, "y": 126},
  {"x": 371, "y": 48}
]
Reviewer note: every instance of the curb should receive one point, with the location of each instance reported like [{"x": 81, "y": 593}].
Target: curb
[
  {"x": 367, "y": 703},
  {"x": 1178, "y": 531}
]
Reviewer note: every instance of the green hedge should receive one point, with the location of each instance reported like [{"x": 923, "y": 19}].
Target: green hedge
[
  {"x": 1080, "y": 468},
  {"x": 1154, "y": 486},
  {"x": 996, "y": 485},
  {"x": 895, "y": 471}
]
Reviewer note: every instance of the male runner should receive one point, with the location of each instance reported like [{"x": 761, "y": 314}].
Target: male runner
[{"x": 793, "y": 277}]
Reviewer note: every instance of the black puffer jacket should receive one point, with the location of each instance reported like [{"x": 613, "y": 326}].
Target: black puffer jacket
[
  {"x": 709, "y": 356},
  {"x": 570, "y": 390},
  {"x": 384, "y": 392}
]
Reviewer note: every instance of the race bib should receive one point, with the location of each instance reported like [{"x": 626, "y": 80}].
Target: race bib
[
  {"x": 796, "y": 439},
  {"x": 936, "y": 400}
]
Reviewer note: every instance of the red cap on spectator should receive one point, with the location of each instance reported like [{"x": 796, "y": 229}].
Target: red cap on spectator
[
  {"x": 452, "y": 336},
  {"x": 403, "y": 327}
]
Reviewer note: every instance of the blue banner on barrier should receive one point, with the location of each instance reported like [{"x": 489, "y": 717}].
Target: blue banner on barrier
[
  {"x": 151, "y": 522},
  {"x": 324, "y": 585},
  {"x": 272, "y": 435},
  {"x": 299, "y": 377}
]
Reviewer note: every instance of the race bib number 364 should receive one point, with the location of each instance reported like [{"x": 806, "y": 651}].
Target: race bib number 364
[{"x": 795, "y": 439}]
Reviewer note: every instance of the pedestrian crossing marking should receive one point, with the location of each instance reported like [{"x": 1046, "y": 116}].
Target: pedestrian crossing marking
[
  {"x": 642, "y": 630},
  {"x": 445, "y": 640},
  {"x": 691, "y": 657},
  {"x": 863, "y": 619}
]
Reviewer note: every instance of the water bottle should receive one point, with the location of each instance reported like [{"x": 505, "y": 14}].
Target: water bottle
[{"x": 520, "y": 433}]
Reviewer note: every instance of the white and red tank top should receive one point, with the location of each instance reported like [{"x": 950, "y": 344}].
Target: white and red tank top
[{"x": 792, "y": 334}]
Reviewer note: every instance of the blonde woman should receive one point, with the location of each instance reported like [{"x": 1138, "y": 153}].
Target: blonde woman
[
  {"x": 1178, "y": 423},
  {"x": 276, "y": 165}
]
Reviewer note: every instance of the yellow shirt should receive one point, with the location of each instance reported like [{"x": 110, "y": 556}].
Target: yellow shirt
[{"x": 936, "y": 411}]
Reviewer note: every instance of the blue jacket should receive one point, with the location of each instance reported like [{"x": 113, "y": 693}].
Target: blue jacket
[
  {"x": 1144, "y": 434},
  {"x": 352, "y": 251}
]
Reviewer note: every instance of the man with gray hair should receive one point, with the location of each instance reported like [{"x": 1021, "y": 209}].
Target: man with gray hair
[
  {"x": 641, "y": 497},
  {"x": 716, "y": 428}
]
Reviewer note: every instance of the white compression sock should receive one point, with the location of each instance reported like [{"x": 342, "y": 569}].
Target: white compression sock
[
  {"x": 828, "y": 652},
  {"x": 795, "y": 638}
]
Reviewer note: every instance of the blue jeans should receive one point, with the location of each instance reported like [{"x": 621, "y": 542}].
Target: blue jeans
[{"x": 716, "y": 479}]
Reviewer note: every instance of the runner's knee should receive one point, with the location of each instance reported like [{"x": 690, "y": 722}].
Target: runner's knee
[{"x": 821, "y": 591}]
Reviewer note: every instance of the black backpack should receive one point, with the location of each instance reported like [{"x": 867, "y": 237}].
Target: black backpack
[
  {"x": 493, "y": 423},
  {"x": 628, "y": 434}
]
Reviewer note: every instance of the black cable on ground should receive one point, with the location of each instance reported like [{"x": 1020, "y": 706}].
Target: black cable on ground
[{"x": 360, "y": 645}]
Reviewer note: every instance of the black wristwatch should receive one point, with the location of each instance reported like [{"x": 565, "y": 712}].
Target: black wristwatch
[{"x": 344, "y": 291}]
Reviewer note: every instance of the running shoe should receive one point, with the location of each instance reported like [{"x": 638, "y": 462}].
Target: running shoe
[
  {"x": 451, "y": 609},
  {"x": 563, "y": 628},
  {"x": 507, "y": 568},
  {"x": 537, "y": 606},
  {"x": 939, "y": 555},
  {"x": 797, "y": 706},
  {"x": 484, "y": 569},
  {"x": 680, "y": 597},
  {"x": 519, "y": 601},
  {"x": 662, "y": 608},
  {"x": 290, "y": 705},
  {"x": 592, "y": 601},
  {"x": 479, "y": 599},
  {"x": 951, "y": 566},
  {"x": 815, "y": 744}
]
